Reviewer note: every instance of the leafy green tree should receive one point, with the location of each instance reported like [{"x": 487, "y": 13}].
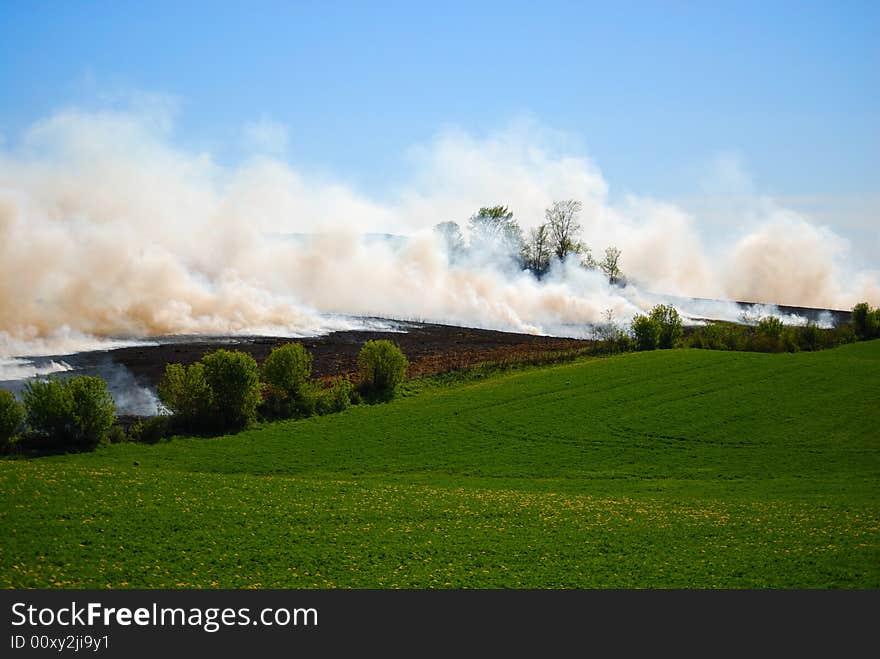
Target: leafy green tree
[
  {"x": 94, "y": 411},
  {"x": 184, "y": 390},
  {"x": 234, "y": 379},
  {"x": 48, "y": 409},
  {"x": 288, "y": 367},
  {"x": 860, "y": 314},
  {"x": 76, "y": 413},
  {"x": 494, "y": 228},
  {"x": 669, "y": 321},
  {"x": 382, "y": 367},
  {"x": 11, "y": 416},
  {"x": 646, "y": 331},
  {"x": 866, "y": 321},
  {"x": 288, "y": 392}
]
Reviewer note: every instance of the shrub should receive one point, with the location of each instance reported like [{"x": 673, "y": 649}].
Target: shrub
[
  {"x": 151, "y": 430},
  {"x": 287, "y": 391},
  {"x": 718, "y": 336},
  {"x": 612, "y": 337},
  {"x": 117, "y": 435},
  {"x": 860, "y": 314},
  {"x": 382, "y": 367},
  {"x": 646, "y": 331},
  {"x": 336, "y": 397},
  {"x": 93, "y": 409},
  {"x": 771, "y": 335},
  {"x": 620, "y": 343},
  {"x": 76, "y": 413},
  {"x": 789, "y": 340},
  {"x": 48, "y": 408},
  {"x": 279, "y": 404},
  {"x": 305, "y": 401},
  {"x": 770, "y": 327},
  {"x": 810, "y": 337},
  {"x": 669, "y": 322},
  {"x": 234, "y": 381},
  {"x": 288, "y": 367},
  {"x": 185, "y": 392},
  {"x": 275, "y": 403},
  {"x": 843, "y": 335},
  {"x": 866, "y": 321},
  {"x": 11, "y": 416}
]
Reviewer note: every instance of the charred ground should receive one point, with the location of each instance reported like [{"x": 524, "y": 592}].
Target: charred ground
[{"x": 430, "y": 348}]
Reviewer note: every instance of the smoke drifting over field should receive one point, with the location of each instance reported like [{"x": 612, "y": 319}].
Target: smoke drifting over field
[{"x": 109, "y": 230}]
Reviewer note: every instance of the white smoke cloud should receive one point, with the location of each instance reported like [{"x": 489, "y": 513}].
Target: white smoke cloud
[
  {"x": 14, "y": 368},
  {"x": 107, "y": 229}
]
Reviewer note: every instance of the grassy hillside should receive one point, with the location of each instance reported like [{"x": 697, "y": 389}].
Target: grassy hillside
[{"x": 685, "y": 468}]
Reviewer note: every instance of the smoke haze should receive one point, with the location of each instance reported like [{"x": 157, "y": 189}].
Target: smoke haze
[{"x": 109, "y": 230}]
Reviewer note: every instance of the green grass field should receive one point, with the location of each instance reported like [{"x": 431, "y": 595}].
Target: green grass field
[{"x": 668, "y": 469}]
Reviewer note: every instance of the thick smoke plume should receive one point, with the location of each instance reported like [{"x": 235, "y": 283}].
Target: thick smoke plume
[{"x": 109, "y": 230}]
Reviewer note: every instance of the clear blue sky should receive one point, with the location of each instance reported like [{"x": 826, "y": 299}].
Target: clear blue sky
[{"x": 652, "y": 91}]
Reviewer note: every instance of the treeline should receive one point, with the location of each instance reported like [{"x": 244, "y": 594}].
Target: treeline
[
  {"x": 223, "y": 392},
  {"x": 495, "y": 234},
  {"x": 772, "y": 335},
  {"x": 662, "y": 328}
]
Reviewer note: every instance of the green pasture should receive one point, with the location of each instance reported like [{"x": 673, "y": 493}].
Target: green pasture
[{"x": 666, "y": 469}]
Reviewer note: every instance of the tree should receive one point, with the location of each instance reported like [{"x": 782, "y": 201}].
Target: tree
[
  {"x": 536, "y": 250},
  {"x": 288, "y": 391},
  {"x": 94, "y": 411},
  {"x": 587, "y": 260},
  {"x": 495, "y": 228},
  {"x": 184, "y": 390},
  {"x": 866, "y": 322},
  {"x": 288, "y": 367},
  {"x": 382, "y": 367},
  {"x": 76, "y": 413},
  {"x": 610, "y": 265},
  {"x": 669, "y": 323},
  {"x": 234, "y": 379},
  {"x": 564, "y": 227},
  {"x": 646, "y": 331},
  {"x": 450, "y": 237},
  {"x": 612, "y": 336},
  {"x": 11, "y": 416},
  {"x": 47, "y": 408}
]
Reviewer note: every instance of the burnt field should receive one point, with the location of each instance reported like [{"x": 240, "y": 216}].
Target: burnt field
[{"x": 430, "y": 348}]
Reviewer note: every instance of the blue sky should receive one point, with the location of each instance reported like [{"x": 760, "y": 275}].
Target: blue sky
[{"x": 652, "y": 92}]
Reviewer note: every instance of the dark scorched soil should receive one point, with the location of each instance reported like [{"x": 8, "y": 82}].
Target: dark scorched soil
[{"x": 430, "y": 349}]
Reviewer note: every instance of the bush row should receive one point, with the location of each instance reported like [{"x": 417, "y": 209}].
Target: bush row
[
  {"x": 662, "y": 328},
  {"x": 770, "y": 335},
  {"x": 227, "y": 390},
  {"x": 223, "y": 392}
]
